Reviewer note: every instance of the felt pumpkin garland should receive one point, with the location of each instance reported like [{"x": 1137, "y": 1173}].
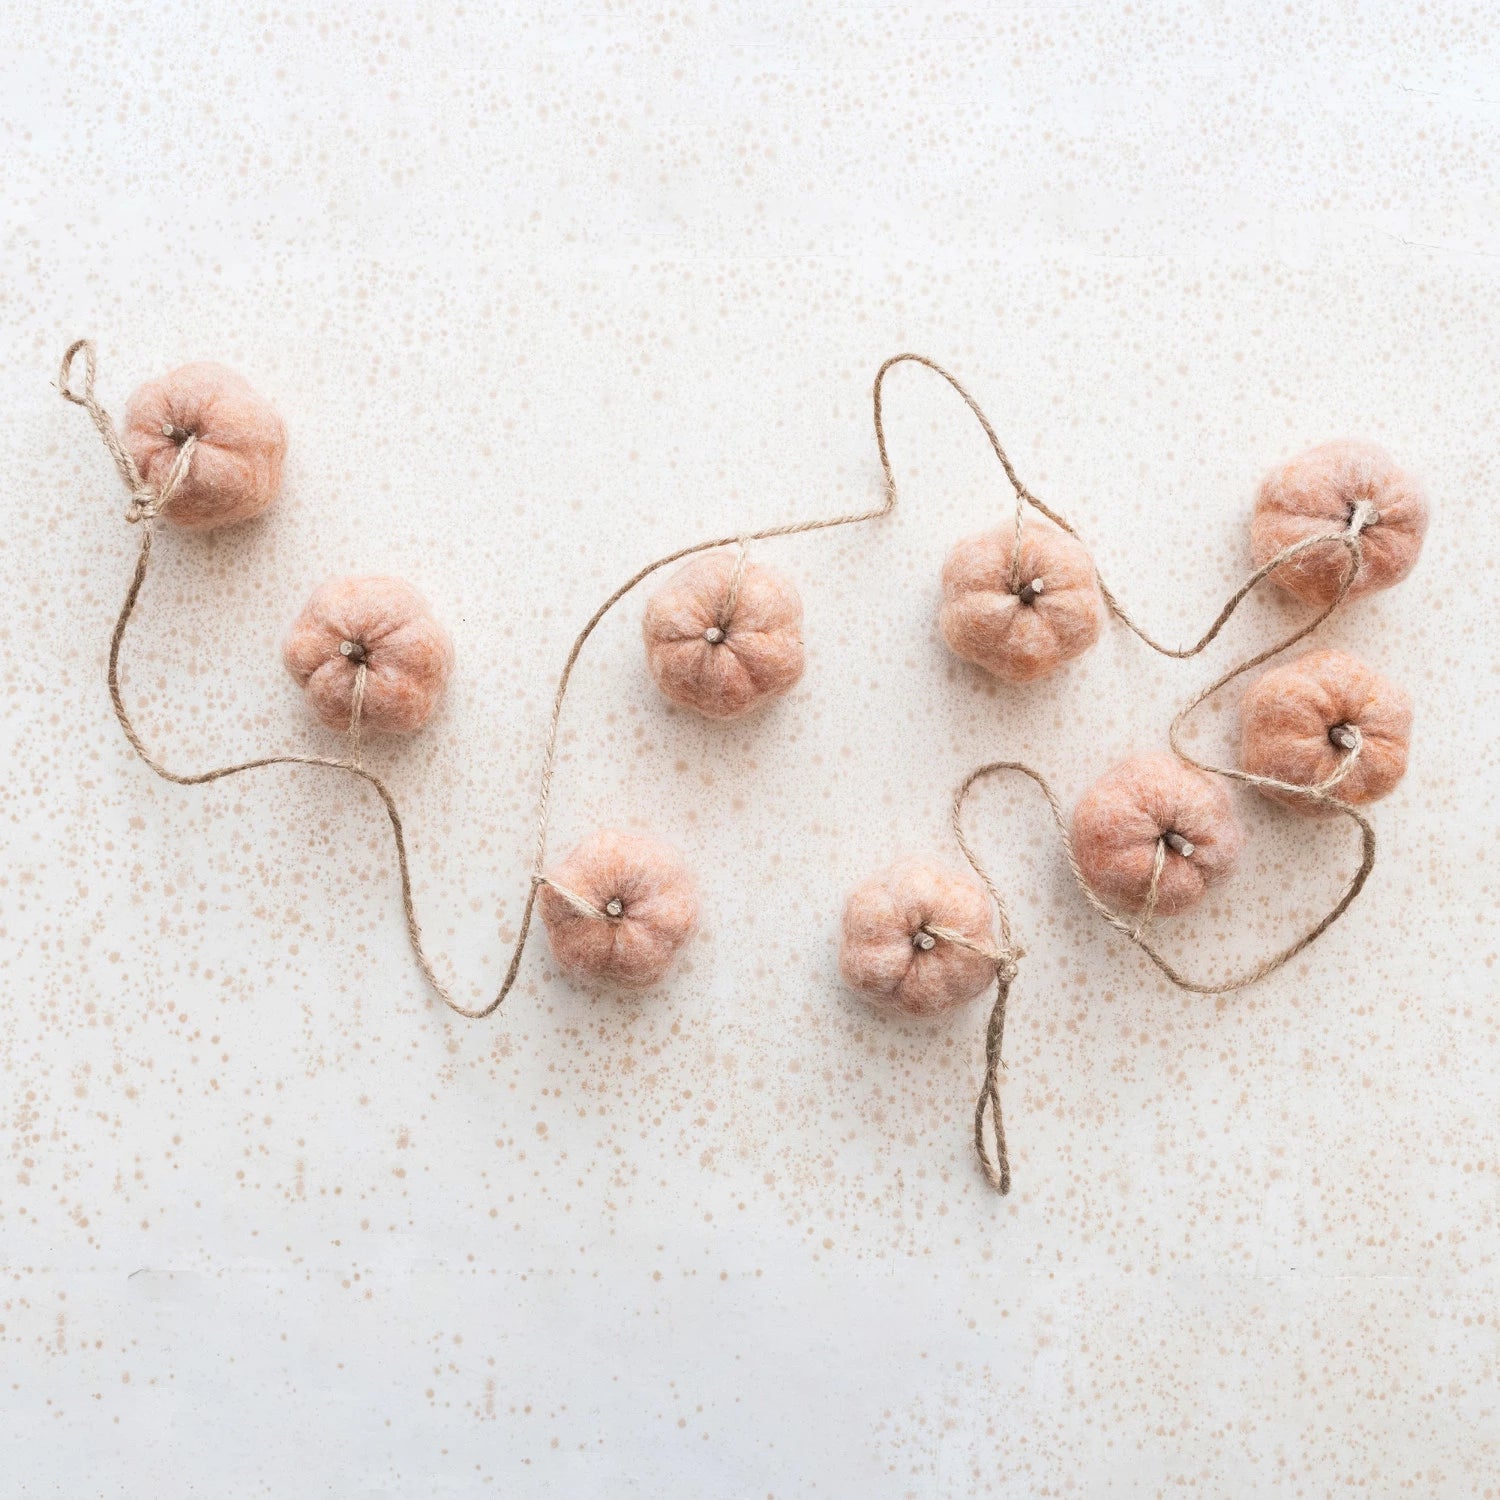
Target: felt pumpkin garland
[{"x": 723, "y": 636}]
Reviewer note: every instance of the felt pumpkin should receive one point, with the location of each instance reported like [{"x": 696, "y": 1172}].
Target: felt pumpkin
[
  {"x": 1296, "y": 723},
  {"x": 1317, "y": 492},
  {"x": 644, "y": 908},
  {"x": 890, "y": 953},
  {"x": 234, "y": 471},
  {"x": 724, "y": 636},
  {"x": 384, "y": 625},
  {"x": 1020, "y": 630},
  {"x": 1154, "y": 798}
]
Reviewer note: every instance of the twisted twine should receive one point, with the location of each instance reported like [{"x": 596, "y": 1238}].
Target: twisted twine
[{"x": 997, "y": 1167}]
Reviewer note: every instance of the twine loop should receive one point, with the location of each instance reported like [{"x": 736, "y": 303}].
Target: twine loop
[
  {"x": 146, "y": 502},
  {"x": 1006, "y": 959}
]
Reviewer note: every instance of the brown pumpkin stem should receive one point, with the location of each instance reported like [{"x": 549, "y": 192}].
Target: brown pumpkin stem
[{"x": 1029, "y": 593}]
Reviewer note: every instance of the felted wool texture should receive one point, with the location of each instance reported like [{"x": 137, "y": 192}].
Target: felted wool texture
[
  {"x": 235, "y": 469},
  {"x": 1287, "y": 717},
  {"x": 658, "y": 908},
  {"x": 408, "y": 655},
  {"x": 1317, "y": 492},
  {"x": 985, "y": 622},
  {"x": 879, "y": 958},
  {"x": 760, "y": 656},
  {"x": 1119, "y": 819}
]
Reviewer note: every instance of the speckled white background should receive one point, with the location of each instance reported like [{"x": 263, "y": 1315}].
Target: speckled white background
[{"x": 543, "y": 292}]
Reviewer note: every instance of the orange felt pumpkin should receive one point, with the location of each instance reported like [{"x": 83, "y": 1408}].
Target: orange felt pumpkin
[
  {"x": 1316, "y": 492},
  {"x": 1294, "y": 724},
  {"x": 1020, "y": 625},
  {"x": 890, "y": 951},
  {"x": 383, "y": 624},
  {"x": 1150, "y": 800},
  {"x": 643, "y": 903},
  {"x": 234, "y": 472},
  {"x": 724, "y": 636}
]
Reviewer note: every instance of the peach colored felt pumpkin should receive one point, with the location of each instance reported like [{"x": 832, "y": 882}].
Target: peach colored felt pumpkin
[
  {"x": 1293, "y": 721},
  {"x": 720, "y": 649},
  {"x": 234, "y": 472},
  {"x": 1020, "y": 633},
  {"x": 384, "y": 624},
  {"x": 1119, "y": 820},
  {"x": 889, "y": 953},
  {"x": 1316, "y": 492},
  {"x": 646, "y": 900}
]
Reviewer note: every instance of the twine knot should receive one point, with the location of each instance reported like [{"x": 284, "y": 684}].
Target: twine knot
[
  {"x": 145, "y": 505},
  {"x": 1364, "y": 514},
  {"x": 147, "y": 502},
  {"x": 1008, "y": 966}
]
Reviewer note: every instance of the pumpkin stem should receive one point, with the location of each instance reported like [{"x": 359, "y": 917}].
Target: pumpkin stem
[
  {"x": 1183, "y": 846},
  {"x": 355, "y": 652},
  {"x": 1344, "y": 736},
  {"x": 1027, "y": 595}
]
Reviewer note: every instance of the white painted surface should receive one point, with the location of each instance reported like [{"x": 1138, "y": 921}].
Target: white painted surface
[{"x": 542, "y": 293}]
